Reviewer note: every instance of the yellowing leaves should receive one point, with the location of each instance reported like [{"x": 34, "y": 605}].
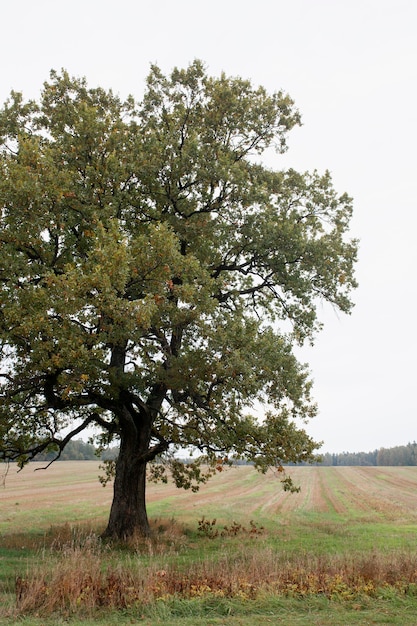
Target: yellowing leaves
[{"x": 158, "y": 299}]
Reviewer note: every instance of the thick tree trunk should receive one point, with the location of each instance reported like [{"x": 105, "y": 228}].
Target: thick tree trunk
[{"x": 128, "y": 515}]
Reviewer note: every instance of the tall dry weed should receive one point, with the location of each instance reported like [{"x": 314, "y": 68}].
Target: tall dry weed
[{"x": 84, "y": 576}]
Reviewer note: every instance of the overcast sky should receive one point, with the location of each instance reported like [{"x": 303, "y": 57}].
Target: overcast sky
[{"x": 351, "y": 67}]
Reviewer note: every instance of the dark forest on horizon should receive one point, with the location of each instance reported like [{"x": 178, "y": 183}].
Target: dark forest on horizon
[{"x": 80, "y": 450}]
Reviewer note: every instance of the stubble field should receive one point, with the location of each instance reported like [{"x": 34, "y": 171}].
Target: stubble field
[{"x": 240, "y": 551}]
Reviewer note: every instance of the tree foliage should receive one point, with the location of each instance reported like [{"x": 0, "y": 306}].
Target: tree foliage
[{"x": 155, "y": 275}]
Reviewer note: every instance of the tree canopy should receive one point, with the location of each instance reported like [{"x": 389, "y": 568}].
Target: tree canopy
[{"x": 155, "y": 277}]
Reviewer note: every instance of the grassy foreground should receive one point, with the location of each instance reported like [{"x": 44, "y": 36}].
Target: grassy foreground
[{"x": 240, "y": 551}]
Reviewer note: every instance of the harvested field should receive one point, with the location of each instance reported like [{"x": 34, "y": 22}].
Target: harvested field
[{"x": 70, "y": 491}]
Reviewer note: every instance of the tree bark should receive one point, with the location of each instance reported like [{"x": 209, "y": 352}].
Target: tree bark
[{"x": 128, "y": 516}]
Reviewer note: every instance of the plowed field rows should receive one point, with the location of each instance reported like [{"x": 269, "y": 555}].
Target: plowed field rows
[{"x": 69, "y": 491}]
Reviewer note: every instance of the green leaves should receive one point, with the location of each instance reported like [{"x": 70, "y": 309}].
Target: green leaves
[{"x": 154, "y": 274}]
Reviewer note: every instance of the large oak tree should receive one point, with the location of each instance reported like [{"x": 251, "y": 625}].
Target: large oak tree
[{"x": 155, "y": 277}]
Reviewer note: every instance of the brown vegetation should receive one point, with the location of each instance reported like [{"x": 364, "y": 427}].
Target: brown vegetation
[{"x": 85, "y": 580}]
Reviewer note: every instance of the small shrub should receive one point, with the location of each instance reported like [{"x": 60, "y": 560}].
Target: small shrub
[{"x": 207, "y": 529}]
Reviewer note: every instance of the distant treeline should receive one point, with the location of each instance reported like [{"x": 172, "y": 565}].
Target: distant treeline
[
  {"x": 399, "y": 455},
  {"x": 79, "y": 450},
  {"x": 75, "y": 450}
]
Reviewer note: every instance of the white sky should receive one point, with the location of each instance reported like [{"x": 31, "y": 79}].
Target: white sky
[{"x": 351, "y": 66}]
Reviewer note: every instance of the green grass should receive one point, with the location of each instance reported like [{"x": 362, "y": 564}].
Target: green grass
[
  {"x": 303, "y": 532},
  {"x": 288, "y": 612},
  {"x": 328, "y": 533}
]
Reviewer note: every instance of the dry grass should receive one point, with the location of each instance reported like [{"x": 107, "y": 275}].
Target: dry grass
[
  {"x": 306, "y": 548},
  {"x": 83, "y": 576}
]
